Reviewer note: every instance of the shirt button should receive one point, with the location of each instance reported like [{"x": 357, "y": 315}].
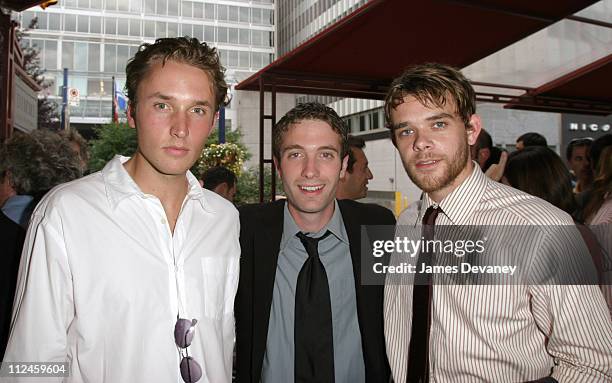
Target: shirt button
[{"x": 163, "y": 221}]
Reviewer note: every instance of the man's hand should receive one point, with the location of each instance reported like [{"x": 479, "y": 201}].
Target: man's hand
[{"x": 496, "y": 171}]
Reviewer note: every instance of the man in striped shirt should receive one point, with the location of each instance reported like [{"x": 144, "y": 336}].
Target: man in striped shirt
[{"x": 481, "y": 333}]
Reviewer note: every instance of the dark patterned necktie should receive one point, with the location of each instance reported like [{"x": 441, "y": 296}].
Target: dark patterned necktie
[
  {"x": 418, "y": 354},
  {"x": 314, "y": 349}
]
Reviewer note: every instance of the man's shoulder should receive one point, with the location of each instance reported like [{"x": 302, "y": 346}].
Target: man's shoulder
[
  {"x": 88, "y": 188},
  {"x": 369, "y": 213},
  {"x": 261, "y": 209},
  {"x": 522, "y": 208},
  {"x": 218, "y": 203}
]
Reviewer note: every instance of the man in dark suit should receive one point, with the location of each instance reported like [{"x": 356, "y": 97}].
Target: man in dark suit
[
  {"x": 11, "y": 242},
  {"x": 302, "y": 311}
]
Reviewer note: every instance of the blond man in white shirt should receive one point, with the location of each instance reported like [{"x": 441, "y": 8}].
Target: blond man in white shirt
[
  {"x": 482, "y": 333},
  {"x": 129, "y": 274}
]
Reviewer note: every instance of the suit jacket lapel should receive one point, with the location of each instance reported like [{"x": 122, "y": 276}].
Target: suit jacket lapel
[
  {"x": 353, "y": 228},
  {"x": 266, "y": 249}
]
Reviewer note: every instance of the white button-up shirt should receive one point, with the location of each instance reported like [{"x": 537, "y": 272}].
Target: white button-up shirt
[{"x": 102, "y": 279}]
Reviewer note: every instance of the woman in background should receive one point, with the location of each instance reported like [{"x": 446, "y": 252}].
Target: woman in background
[{"x": 539, "y": 171}]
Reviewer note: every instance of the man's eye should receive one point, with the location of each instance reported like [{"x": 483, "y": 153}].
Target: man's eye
[
  {"x": 327, "y": 155},
  {"x": 161, "y": 106},
  {"x": 199, "y": 110},
  {"x": 293, "y": 155},
  {"x": 406, "y": 132},
  {"x": 439, "y": 125}
]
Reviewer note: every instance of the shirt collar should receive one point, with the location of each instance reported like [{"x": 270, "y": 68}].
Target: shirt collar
[
  {"x": 459, "y": 205},
  {"x": 120, "y": 185},
  {"x": 335, "y": 225}
]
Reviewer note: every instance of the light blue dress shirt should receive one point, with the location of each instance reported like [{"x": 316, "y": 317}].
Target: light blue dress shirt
[{"x": 334, "y": 251}]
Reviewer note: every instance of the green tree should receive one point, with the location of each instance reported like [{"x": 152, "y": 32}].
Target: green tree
[
  {"x": 111, "y": 139},
  {"x": 248, "y": 186}
]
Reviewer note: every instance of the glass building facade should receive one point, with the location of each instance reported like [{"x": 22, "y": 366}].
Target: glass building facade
[{"x": 95, "y": 38}]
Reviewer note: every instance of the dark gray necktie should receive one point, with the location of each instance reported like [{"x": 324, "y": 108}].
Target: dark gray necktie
[
  {"x": 418, "y": 360},
  {"x": 314, "y": 349}
]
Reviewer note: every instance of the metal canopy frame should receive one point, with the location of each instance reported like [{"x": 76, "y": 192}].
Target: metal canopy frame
[
  {"x": 583, "y": 91},
  {"x": 345, "y": 59}
]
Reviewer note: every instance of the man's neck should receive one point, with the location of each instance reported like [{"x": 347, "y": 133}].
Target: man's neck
[
  {"x": 311, "y": 222},
  {"x": 169, "y": 189}
]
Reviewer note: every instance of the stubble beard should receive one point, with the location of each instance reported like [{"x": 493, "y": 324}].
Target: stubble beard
[{"x": 454, "y": 167}]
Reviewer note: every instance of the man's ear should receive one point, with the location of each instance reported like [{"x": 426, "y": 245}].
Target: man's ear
[
  {"x": 277, "y": 166},
  {"x": 344, "y": 166},
  {"x": 221, "y": 189},
  {"x": 473, "y": 129},
  {"x": 131, "y": 112}
]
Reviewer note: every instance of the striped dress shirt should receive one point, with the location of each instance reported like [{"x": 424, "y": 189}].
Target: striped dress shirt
[{"x": 502, "y": 333}]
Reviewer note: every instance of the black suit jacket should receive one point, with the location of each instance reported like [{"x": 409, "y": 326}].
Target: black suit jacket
[
  {"x": 260, "y": 235},
  {"x": 11, "y": 242}
]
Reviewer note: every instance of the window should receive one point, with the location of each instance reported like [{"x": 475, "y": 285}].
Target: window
[
  {"x": 232, "y": 58},
  {"x": 149, "y": 30},
  {"x": 67, "y": 54},
  {"x": 69, "y": 23},
  {"x": 134, "y": 27},
  {"x": 135, "y": 6},
  {"x": 80, "y": 56},
  {"x": 267, "y": 17},
  {"x": 198, "y": 10},
  {"x": 233, "y": 36},
  {"x": 123, "y": 53},
  {"x": 95, "y": 24},
  {"x": 187, "y": 9},
  {"x": 110, "y": 58},
  {"x": 83, "y": 3},
  {"x": 233, "y": 13},
  {"x": 122, "y": 27},
  {"x": 186, "y": 30},
  {"x": 111, "y": 5},
  {"x": 198, "y": 31},
  {"x": 162, "y": 7},
  {"x": 149, "y": 7},
  {"x": 110, "y": 26},
  {"x": 244, "y": 15},
  {"x": 173, "y": 8},
  {"x": 243, "y": 59},
  {"x": 93, "y": 64},
  {"x": 362, "y": 123},
  {"x": 256, "y": 15},
  {"x": 50, "y": 54},
  {"x": 123, "y": 5},
  {"x": 173, "y": 30},
  {"x": 209, "y": 11},
  {"x": 222, "y": 34},
  {"x": 209, "y": 33},
  {"x": 55, "y": 22},
  {"x": 160, "y": 29},
  {"x": 244, "y": 37},
  {"x": 26, "y": 19},
  {"x": 374, "y": 124},
  {"x": 222, "y": 12},
  {"x": 83, "y": 23}
]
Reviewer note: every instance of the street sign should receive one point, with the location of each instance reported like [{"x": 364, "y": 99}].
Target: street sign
[{"x": 73, "y": 97}]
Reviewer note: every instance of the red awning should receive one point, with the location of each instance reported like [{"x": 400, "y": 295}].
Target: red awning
[
  {"x": 585, "y": 90},
  {"x": 20, "y": 5},
  {"x": 360, "y": 54}
]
